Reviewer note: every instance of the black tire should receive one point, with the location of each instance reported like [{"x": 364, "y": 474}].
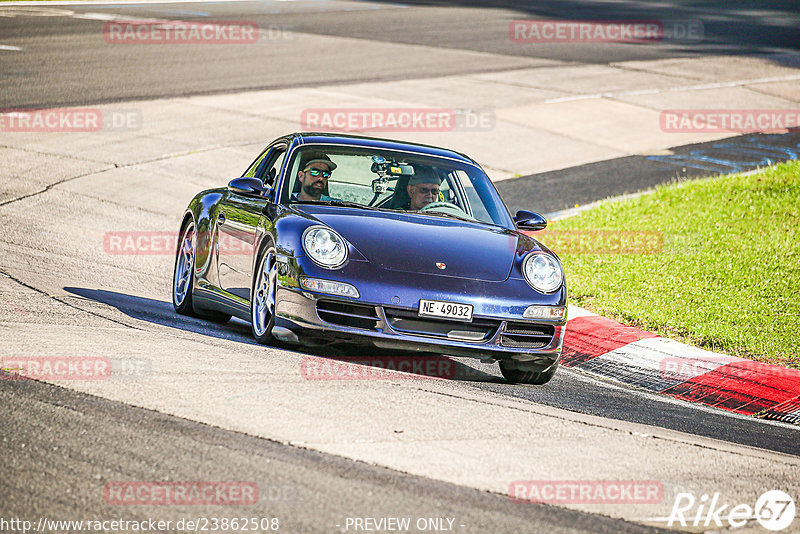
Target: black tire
[
  {"x": 519, "y": 375},
  {"x": 183, "y": 279},
  {"x": 263, "y": 294}
]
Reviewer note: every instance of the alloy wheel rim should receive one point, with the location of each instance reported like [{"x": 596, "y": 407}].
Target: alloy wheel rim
[
  {"x": 264, "y": 294},
  {"x": 184, "y": 265}
]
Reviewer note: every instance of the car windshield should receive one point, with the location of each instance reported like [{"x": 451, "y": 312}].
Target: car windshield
[{"x": 372, "y": 178}]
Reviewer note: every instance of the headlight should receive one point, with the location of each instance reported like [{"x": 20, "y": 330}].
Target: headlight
[
  {"x": 325, "y": 246},
  {"x": 543, "y": 272}
]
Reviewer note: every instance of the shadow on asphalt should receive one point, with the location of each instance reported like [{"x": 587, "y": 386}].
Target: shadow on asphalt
[
  {"x": 331, "y": 362},
  {"x": 591, "y": 397}
]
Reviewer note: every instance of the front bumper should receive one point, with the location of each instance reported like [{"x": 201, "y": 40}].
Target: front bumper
[{"x": 389, "y": 326}]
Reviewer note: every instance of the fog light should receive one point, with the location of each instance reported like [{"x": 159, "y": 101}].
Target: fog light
[
  {"x": 545, "y": 312},
  {"x": 330, "y": 287}
]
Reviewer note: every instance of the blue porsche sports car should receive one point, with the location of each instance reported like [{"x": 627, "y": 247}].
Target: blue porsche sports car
[{"x": 344, "y": 239}]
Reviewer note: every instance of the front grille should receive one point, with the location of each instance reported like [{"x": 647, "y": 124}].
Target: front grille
[
  {"x": 408, "y": 321},
  {"x": 527, "y": 336},
  {"x": 346, "y": 314}
]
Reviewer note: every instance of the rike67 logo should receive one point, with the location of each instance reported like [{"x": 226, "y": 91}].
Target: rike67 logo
[{"x": 774, "y": 510}]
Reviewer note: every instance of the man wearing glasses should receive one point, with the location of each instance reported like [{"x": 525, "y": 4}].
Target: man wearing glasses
[
  {"x": 423, "y": 188},
  {"x": 315, "y": 170}
]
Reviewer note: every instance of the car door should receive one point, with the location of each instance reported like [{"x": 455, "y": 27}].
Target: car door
[{"x": 237, "y": 221}]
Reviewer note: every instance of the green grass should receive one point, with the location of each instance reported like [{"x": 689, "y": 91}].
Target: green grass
[{"x": 713, "y": 262}]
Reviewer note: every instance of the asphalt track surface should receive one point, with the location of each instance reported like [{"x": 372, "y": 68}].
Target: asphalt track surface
[
  {"x": 306, "y": 490},
  {"x": 44, "y": 75},
  {"x": 570, "y": 389},
  {"x": 326, "y": 488}
]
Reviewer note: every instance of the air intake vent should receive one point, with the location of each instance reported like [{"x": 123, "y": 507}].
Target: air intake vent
[
  {"x": 527, "y": 336},
  {"x": 346, "y": 314},
  {"x": 410, "y": 322}
]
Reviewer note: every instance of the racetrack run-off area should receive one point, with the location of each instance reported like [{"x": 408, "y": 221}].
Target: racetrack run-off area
[{"x": 553, "y": 125}]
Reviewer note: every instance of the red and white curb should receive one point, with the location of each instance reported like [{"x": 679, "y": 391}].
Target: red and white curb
[{"x": 605, "y": 347}]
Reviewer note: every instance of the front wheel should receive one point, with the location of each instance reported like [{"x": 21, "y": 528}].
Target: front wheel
[
  {"x": 262, "y": 301},
  {"x": 183, "y": 276},
  {"x": 517, "y": 373}
]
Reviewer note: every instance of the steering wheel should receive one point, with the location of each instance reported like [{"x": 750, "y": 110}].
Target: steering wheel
[
  {"x": 445, "y": 207},
  {"x": 434, "y": 205}
]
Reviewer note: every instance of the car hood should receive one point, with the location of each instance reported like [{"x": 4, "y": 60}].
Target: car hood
[{"x": 414, "y": 243}]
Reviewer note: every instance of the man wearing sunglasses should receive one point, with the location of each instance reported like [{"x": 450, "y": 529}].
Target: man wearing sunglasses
[
  {"x": 423, "y": 188},
  {"x": 315, "y": 170}
]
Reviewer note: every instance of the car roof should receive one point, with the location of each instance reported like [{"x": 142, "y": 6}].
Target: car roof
[{"x": 303, "y": 138}]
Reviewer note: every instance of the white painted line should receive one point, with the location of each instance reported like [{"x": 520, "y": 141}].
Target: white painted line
[
  {"x": 683, "y": 88},
  {"x": 17, "y": 11},
  {"x": 561, "y": 99},
  {"x": 98, "y": 16},
  {"x": 110, "y": 17},
  {"x": 11, "y": 48}
]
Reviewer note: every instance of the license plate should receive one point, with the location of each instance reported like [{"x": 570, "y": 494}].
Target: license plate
[{"x": 445, "y": 310}]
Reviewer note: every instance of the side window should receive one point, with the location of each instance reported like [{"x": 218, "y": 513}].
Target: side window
[
  {"x": 269, "y": 176},
  {"x": 268, "y": 165},
  {"x": 251, "y": 171},
  {"x": 476, "y": 206}
]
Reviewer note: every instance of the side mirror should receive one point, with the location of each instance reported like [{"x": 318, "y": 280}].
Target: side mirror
[
  {"x": 249, "y": 187},
  {"x": 528, "y": 220}
]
